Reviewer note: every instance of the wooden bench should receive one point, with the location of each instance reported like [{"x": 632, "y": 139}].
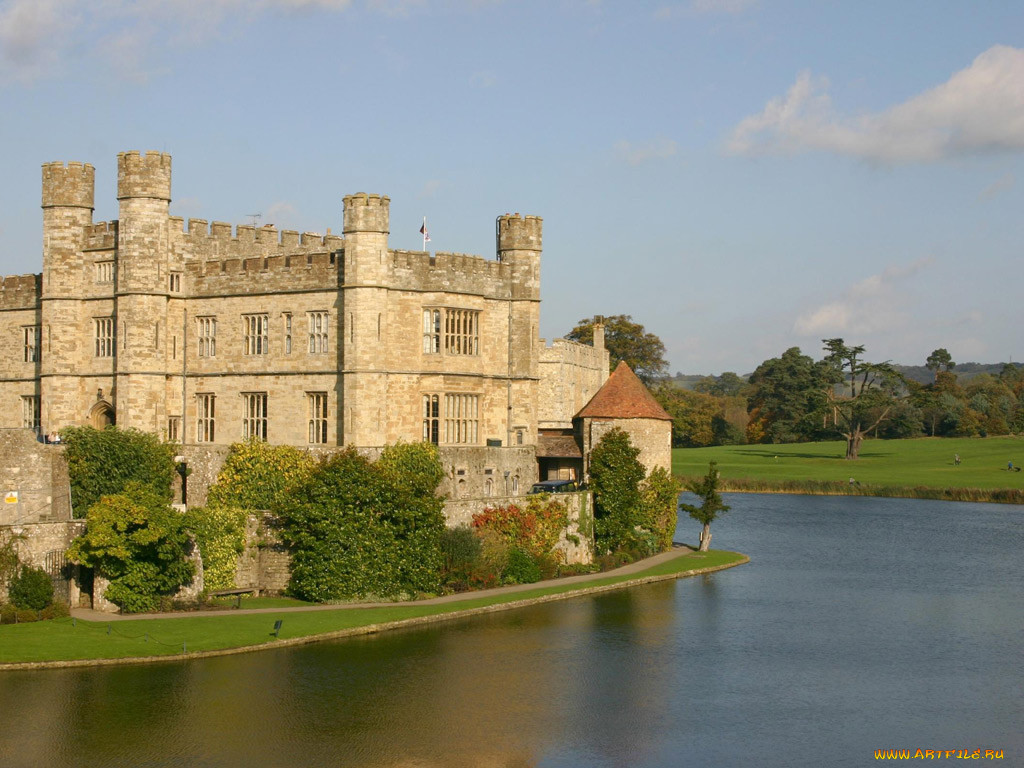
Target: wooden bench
[{"x": 237, "y": 592}]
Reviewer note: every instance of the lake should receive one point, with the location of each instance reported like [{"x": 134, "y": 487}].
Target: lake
[{"x": 860, "y": 624}]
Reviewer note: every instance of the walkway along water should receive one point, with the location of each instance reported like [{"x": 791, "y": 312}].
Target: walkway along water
[{"x": 586, "y": 586}]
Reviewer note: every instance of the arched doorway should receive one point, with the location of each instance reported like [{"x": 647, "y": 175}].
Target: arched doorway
[{"x": 101, "y": 415}]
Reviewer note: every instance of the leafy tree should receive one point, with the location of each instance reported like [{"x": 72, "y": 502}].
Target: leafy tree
[
  {"x": 615, "y": 476},
  {"x": 711, "y": 506},
  {"x": 138, "y": 542},
  {"x": 873, "y": 392},
  {"x": 940, "y": 359},
  {"x": 787, "y": 398},
  {"x": 103, "y": 462},
  {"x": 692, "y": 413},
  {"x": 726, "y": 385},
  {"x": 625, "y": 340}
]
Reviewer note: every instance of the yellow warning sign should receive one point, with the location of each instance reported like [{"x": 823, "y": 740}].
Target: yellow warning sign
[{"x": 11, "y": 497}]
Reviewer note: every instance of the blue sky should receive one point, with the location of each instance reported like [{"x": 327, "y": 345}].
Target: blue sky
[{"x": 739, "y": 176}]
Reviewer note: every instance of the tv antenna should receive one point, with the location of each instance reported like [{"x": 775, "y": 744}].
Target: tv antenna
[{"x": 255, "y": 219}]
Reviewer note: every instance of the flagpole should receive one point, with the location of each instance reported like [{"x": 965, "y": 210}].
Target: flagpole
[{"x": 424, "y": 231}]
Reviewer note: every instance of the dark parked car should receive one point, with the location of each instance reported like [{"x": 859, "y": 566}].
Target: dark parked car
[{"x": 554, "y": 486}]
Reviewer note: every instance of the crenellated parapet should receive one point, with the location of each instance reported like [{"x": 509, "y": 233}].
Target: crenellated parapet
[
  {"x": 461, "y": 272},
  {"x": 519, "y": 233},
  {"x": 313, "y": 270},
  {"x": 143, "y": 175},
  {"x": 205, "y": 240},
  {"x": 70, "y": 185},
  {"x": 20, "y": 291},
  {"x": 367, "y": 213}
]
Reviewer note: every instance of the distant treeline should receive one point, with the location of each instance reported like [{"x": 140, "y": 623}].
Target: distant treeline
[{"x": 793, "y": 398}]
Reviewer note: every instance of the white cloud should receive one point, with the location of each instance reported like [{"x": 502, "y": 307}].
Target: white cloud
[
  {"x": 979, "y": 109},
  {"x": 485, "y": 78},
  {"x": 32, "y": 35},
  {"x": 37, "y": 35},
  {"x": 874, "y": 304},
  {"x": 637, "y": 154},
  {"x": 430, "y": 188}
]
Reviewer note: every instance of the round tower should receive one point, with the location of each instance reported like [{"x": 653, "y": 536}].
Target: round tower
[
  {"x": 143, "y": 269},
  {"x": 362, "y": 324},
  {"x": 518, "y": 233},
  {"x": 67, "y": 203}
]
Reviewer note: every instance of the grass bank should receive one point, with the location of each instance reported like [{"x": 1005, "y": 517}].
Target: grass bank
[
  {"x": 917, "y": 468},
  {"x": 70, "y": 640}
]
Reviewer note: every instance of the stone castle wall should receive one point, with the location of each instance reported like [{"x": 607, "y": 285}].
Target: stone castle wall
[
  {"x": 570, "y": 374},
  {"x": 36, "y": 475},
  {"x": 652, "y": 436}
]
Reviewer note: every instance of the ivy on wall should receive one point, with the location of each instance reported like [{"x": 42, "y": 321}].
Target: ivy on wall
[
  {"x": 102, "y": 462},
  {"x": 220, "y": 535}
]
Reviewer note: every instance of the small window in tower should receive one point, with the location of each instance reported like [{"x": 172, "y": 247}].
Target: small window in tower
[
  {"x": 207, "y": 336},
  {"x": 206, "y": 404},
  {"x": 32, "y": 339},
  {"x": 30, "y": 412},
  {"x": 104, "y": 271},
  {"x": 318, "y": 324},
  {"x": 317, "y": 402},
  {"x": 104, "y": 327},
  {"x": 287, "y": 332},
  {"x": 174, "y": 282},
  {"x": 173, "y": 429}
]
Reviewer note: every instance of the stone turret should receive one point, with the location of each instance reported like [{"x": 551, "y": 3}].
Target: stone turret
[
  {"x": 67, "y": 202},
  {"x": 363, "y": 320},
  {"x": 143, "y": 268}
]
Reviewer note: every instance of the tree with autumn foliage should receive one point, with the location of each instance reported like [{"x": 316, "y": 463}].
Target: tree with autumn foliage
[{"x": 625, "y": 340}]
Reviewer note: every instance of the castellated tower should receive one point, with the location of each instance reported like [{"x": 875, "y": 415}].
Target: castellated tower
[
  {"x": 519, "y": 246},
  {"x": 67, "y": 203},
  {"x": 362, "y": 320},
  {"x": 143, "y": 267}
]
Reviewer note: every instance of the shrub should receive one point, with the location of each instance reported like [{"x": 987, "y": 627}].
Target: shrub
[
  {"x": 26, "y": 616},
  {"x": 140, "y": 544},
  {"x": 8, "y": 614},
  {"x": 55, "y": 611},
  {"x": 258, "y": 476},
  {"x": 31, "y": 589},
  {"x": 104, "y": 462},
  {"x": 535, "y": 528},
  {"x": 460, "y": 552},
  {"x": 658, "y": 509},
  {"x": 521, "y": 568},
  {"x": 220, "y": 535},
  {"x": 359, "y": 529}
]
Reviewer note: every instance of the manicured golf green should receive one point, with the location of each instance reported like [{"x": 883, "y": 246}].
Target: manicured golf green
[
  {"x": 923, "y": 462},
  {"x": 67, "y": 639}
]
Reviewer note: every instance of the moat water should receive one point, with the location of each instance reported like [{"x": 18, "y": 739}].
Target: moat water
[{"x": 860, "y": 624}]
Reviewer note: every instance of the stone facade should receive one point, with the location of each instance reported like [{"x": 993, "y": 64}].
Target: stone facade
[
  {"x": 33, "y": 480},
  {"x": 207, "y": 334}
]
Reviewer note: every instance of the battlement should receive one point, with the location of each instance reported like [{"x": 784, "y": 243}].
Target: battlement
[
  {"x": 143, "y": 175},
  {"x": 218, "y": 237},
  {"x": 68, "y": 186},
  {"x": 314, "y": 270},
  {"x": 522, "y": 233},
  {"x": 20, "y": 291},
  {"x": 458, "y": 272},
  {"x": 366, "y": 213}
]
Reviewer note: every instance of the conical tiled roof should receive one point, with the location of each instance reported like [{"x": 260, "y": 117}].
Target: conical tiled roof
[{"x": 623, "y": 396}]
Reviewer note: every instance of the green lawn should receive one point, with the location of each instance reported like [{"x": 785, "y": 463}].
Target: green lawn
[
  {"x": 923, "y": 462},
  {"x": 67, "y": 639}
]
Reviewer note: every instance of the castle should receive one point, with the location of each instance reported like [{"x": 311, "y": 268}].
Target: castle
[{"x": 208, "y": 334}]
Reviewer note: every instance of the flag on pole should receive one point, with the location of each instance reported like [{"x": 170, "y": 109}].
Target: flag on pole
[{"x": 423, "y": 231}]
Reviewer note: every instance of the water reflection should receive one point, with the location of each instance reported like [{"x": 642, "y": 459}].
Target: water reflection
[{"x": 834, "y": 641}]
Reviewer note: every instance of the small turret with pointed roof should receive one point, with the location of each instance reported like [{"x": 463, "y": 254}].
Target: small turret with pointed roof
[{"x": 623, "y": 396}]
